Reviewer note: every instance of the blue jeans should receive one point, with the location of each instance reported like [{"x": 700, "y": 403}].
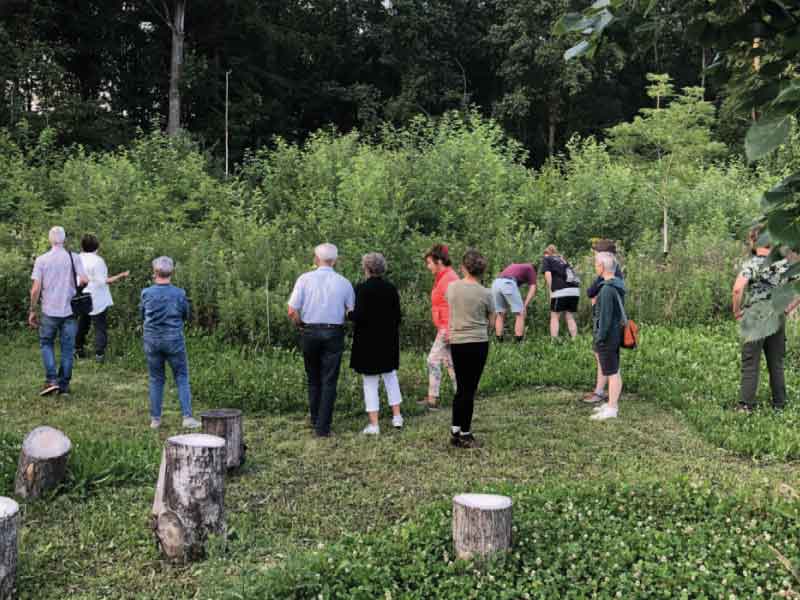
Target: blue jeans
[
  {"x": 322, "y": 355},
  {"x": 65, "y": 328},
  {"x": 172, "y": 351}
]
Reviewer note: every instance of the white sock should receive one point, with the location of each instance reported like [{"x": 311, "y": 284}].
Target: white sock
[
  {"x": 466, "y": 433},
  {"x": 454, "y": 430}
]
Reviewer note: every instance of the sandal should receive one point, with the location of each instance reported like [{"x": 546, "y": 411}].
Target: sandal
[{"x": 594, "y": 398}]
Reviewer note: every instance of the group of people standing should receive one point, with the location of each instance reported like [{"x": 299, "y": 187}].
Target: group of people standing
[
  {"x": 463, "y": 312},
  {"x": 59, "y": 275}
]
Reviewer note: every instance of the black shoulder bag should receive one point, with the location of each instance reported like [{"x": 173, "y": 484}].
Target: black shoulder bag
[{"x": 81, "y": 302}]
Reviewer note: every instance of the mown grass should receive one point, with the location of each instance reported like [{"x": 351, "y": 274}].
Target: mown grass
[{"x": 297, "y": 495}]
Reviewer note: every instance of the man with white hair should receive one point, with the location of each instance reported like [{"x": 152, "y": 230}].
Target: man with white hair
[
  {"x": 56, "y": 275},
  {"x": 318, "y": 305},
  {"x": 608, "y": 315}
]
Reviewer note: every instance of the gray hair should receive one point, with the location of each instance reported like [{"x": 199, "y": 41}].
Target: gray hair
[
  {"x": 608, "y": 261},
  {"x": 326, "y": 252},
  {"x": 163, "y": 266},
  {"x": 374, "y": 263},
  {"x": 57, "y": 235}
]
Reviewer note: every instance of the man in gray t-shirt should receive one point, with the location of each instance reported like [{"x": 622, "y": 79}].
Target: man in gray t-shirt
[{"x": 55, "y": 284}]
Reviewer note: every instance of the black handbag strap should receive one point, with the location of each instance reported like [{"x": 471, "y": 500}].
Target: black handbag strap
[{"x": 74, "y": 275}]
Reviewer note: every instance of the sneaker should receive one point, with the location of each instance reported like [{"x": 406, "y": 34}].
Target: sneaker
[
  {"x": 48, "y": 388},
  {"x": 100, "y": 358},
  {"x": 155, "y": 423},
  {"x": 599, "y": 408},
  {"x": 434, "y": 406},
  {"x": 397, "y": 422},
  {"x": 605, "y": 413},
  {"x": 455, "y": 440},
  {"x": 371, "y": 429},
  {"x": 191, "y": 423},
  {"x": 63, "y": 392},
  {"x": 743, "y": 408}
]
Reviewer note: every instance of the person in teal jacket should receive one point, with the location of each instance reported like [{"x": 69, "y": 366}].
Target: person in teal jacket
[{"x": 607, "y": 318}]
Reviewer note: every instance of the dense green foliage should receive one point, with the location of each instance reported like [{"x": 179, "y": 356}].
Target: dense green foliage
[
  {"x": 667, "y": 540},
  {"x": 97, "y": 70},
  {"x": 241, "y": 243}
]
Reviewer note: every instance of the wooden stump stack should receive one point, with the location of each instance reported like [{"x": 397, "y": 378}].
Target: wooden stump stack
[
  {"x": 42, "y": 462},
  {"x": 190, "y": 495},
  {"x": 227, "y": 424},
  {"x": 9, "y": 532},
  {"x": 481, "y": 525}
]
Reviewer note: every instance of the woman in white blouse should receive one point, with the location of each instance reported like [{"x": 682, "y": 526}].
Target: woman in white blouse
[{"x": 99, "y": 281}]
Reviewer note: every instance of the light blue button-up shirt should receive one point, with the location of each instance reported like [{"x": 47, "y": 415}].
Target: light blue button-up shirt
[{"x": 322, "y": 297}]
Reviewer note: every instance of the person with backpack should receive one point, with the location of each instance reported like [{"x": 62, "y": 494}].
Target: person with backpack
[
  {"x": 608, "y": 317},
  {"x": 564, "y": 287},
  {"x": 602, "y": 245}
]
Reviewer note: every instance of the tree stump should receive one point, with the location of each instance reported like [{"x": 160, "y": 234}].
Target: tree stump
[
  {"x": 189, "y": 503},
  {"x": 42, "y": 462},
  {"x": 481, "y": 525},
  {"x": 227, "y": 424},
  {"x": 9, "y": 528}
]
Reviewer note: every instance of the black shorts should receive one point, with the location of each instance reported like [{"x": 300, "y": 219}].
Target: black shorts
[
  {"x": 608, "y": 356},
  {"x": 564, "y": 304}
]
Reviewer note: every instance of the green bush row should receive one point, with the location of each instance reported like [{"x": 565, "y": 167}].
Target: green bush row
[
  {"x": 241, "y": 243},
  {"x": 665, "y": 540}
]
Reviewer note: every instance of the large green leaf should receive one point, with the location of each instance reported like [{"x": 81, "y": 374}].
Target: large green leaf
[
  {"x": 766, "y": 135},
  {"x": 782, "y": 296},
  {"x": 572, "y": 22},
  {"x": 577, "y": 50}
]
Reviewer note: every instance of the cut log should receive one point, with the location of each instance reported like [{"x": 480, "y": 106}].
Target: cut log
[
  {"x": 9, "y": 532},
  {"x": 189, "y": 503},
  {"x": 481, "y": 525},
  {"x": 227, "y": 424},
  {"x": 42, "y": 462}
]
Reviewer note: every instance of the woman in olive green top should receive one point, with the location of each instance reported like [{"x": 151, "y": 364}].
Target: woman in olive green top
[{"x": 471, "y": 310}]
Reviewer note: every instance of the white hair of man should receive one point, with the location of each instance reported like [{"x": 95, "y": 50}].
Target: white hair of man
[
  {"x": 607, "y": 260},
  {"x": 57, "y": 236},
  {"x": 163, "y": 266},
  {"x": 326, "y": 253}
]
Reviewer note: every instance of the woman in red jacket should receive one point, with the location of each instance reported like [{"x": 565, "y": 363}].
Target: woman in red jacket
[{"x": 438, "y": 262}]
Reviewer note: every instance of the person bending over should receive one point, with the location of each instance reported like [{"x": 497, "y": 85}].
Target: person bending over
[{"x": 506, "y": 296}]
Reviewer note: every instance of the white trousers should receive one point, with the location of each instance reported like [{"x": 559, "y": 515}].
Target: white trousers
[{"x": 390, "y": 382}]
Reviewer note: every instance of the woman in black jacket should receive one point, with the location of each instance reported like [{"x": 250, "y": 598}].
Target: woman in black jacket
[{"x": 376, "y": 340}]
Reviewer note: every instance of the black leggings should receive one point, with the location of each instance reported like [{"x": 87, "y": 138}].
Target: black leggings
[{"x": 468, "y": 362}]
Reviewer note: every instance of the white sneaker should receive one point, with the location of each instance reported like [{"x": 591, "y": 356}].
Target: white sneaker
[
  {"x": 397, "y": 422},
  {"x": 599, "y": 407},
  {"x": 191, "y": 423},
  {"x": 605, "y": 413},
  {"x": 155, "y": 423},
  {"x": 371, "y": 429}
]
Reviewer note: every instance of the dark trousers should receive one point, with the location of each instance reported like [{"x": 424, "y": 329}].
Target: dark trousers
[
  {"x": 100, "y": 322},
  {"x": 322, "y": 355},
  {"x": 774, "y": 348},
  {"x": 468, "y": 362}
]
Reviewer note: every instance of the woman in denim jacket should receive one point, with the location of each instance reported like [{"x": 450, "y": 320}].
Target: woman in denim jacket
[{"x": 164, "y": 309}]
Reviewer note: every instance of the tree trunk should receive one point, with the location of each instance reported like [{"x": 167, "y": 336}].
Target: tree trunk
[
  {"x": 189, "y": 503},
  {"x": 42, "y": 462},
  {"x": 9, "y": 533},
  {"x": 227, "y": 424},
  {"x": 553, "y": 117},
  {"x": 176, "y": 68},
  {"x": 481, "y": 525}
]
